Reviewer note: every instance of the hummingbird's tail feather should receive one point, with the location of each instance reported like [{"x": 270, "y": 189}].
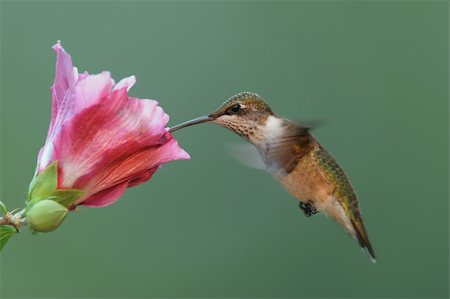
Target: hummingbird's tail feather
[
  {"x": 363, "y": 238},
  {"x": 351, "y": 222}
]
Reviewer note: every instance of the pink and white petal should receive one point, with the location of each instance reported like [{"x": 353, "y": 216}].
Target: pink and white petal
[
  {"x": 111, "y": 195},
  {"x": 46, "y": 156},
  {"x": 126, "y": 82},
  {"x": 169, "y": 151},
  {"x": 90, "y": 91},
  {"x": 104, "y": 197},
  {"x": 83, "y": 76},
  {"x": 65, "y": 79},
  {"x": 87, "y": 92},
  {"x": 39, "y": 161},
  {"x": 105, "y": 132},
  {"x": 133, "y": 165},
  {"x": 142, "y": 178},
  {"x": 87, "y": 138},
  {"x": 64, "y": 76},
  {"x": 153, "y": 116}
]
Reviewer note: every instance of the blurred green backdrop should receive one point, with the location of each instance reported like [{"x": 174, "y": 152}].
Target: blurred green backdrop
[{"x": 209, "y": 227}]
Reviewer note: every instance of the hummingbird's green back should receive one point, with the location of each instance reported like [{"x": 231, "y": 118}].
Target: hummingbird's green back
[{"x": 344, "y": 193}]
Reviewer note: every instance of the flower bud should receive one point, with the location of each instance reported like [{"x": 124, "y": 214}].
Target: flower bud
[{"x": 45, "y": 215}]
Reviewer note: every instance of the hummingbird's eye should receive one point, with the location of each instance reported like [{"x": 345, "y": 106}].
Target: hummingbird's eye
[{"x": 234, "y": 109}]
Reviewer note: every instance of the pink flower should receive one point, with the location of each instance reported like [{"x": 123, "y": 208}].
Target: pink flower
[{"x": 103, "y": 140}]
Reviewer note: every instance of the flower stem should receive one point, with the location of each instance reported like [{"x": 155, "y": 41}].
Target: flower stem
[{"x": 14, "y": 219}]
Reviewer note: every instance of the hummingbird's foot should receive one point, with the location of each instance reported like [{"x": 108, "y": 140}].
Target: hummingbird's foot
[{"x": 308, "y": 209}]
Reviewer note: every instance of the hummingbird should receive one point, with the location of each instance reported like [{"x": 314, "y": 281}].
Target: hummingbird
[{"x": 295, "y": 158}]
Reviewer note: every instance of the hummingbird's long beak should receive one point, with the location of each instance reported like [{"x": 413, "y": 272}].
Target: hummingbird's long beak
[{"x": 198, "y": 120}]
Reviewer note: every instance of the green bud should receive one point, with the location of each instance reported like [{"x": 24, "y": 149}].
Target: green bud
[{"x": 46, "y": 215}]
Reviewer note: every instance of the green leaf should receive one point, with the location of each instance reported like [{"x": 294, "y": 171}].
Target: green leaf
[
  {"x": 6, "y": 231},
  {"x": 66, "y": 197},
  {"x": 44, "y": 183},
  {"x": 3, "y": 208}
]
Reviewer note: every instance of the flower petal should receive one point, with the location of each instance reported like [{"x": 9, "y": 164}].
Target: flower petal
[
  {"x": 126, "y": 82},
  {"x": 127, "y": 169},
  {"x": 90, "y": 91},
  {"x": 114, "y": 142},
  {"x": 111, "y": 195},
  {"x": 139, "y": 162},
  {"x": 87, "y": 92},
  {"x": 65, "y": 77},
  {"x": 106, "y": 197}
]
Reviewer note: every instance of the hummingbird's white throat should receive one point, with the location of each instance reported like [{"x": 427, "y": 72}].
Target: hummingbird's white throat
[{"x": 273, "y": 128}]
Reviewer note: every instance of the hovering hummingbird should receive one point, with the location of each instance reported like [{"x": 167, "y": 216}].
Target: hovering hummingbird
[{"x": 294, "y": 157}]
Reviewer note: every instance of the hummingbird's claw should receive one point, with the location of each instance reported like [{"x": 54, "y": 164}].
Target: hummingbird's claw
[{"x": 308, "y": 209}]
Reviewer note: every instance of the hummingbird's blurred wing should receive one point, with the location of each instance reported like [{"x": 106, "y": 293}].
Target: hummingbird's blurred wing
[
  {"x": 286, "y": 150},
  {"x": 247, "y": 155},
  {"x": 311, "y": 124},
  {"x": 279, "y": 154}
]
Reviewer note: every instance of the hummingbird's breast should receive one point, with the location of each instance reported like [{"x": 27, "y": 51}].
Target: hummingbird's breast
[
  {"x": 319, "y": 180},
  {"x": 307, "y": 181}
]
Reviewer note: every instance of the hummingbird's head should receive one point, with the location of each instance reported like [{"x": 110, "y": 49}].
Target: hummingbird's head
[{"x": 243, "y": 113}]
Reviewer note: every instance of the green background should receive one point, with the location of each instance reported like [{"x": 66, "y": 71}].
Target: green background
[{"x": 375, "y": 72}]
